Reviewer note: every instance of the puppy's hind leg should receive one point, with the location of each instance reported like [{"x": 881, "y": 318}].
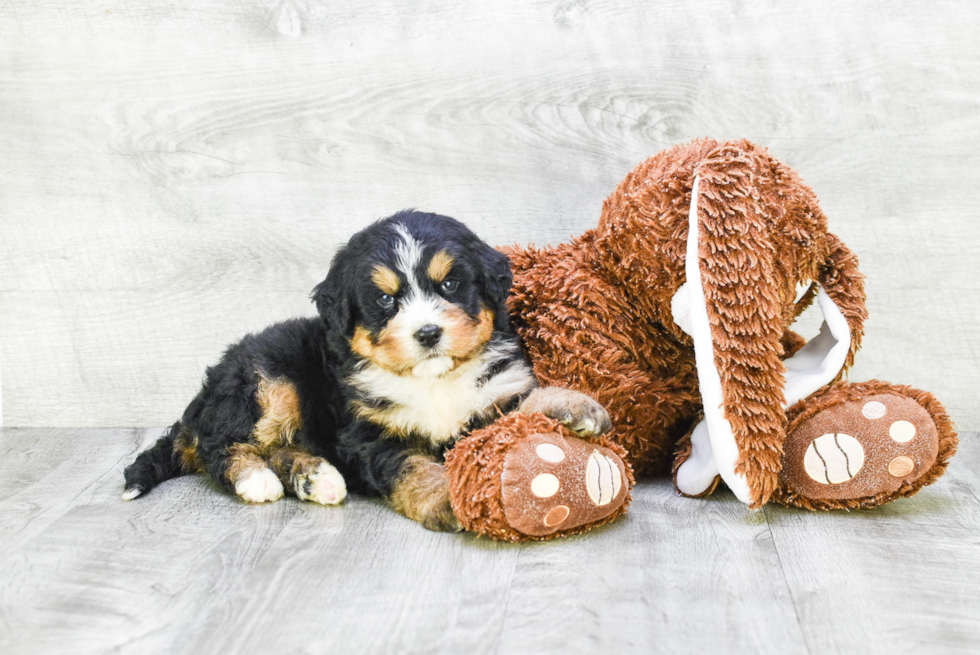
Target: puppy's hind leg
[
  {"x": 224, "y": 426},
  {"x": 308, "y": 477}
]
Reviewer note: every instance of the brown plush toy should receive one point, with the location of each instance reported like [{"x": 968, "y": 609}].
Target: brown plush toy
[{"x": 675, "y": 313}]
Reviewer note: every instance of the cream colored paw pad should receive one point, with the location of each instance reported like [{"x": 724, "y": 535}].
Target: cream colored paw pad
[
  {"x": 873, "y": 410},
  {"x": 549, "y": 452},
  {"x": 900, "y": 466},
  {"x": 833, "y": 458},
  {"x": 602, "y": 479},
  {"x": 902, "y": 431},
  {"x": 545, "y": 485},
  {"x": 556, "y": 515}
]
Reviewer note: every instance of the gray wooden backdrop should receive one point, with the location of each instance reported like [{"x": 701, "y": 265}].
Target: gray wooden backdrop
[{"x": 175, "y": 173}]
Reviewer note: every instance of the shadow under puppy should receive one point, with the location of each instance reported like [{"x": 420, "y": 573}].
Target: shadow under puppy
[{"x": 412, "y": 349}]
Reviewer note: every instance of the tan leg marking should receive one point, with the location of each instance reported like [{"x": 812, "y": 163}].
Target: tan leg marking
[
  {"x": 422, "y": 494},
  {"x": 281, "y": 417},
  {"x": 185, "y": 447},
  {"x": 577, "y": 411}
]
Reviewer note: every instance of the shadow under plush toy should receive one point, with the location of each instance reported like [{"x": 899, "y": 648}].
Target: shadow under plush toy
[{"x": 674, "y": 313}]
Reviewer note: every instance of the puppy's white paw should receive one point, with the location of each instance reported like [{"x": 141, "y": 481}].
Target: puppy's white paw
[
  {"x": 258, "y": 485},
  {"x": 324, "y": 485}
]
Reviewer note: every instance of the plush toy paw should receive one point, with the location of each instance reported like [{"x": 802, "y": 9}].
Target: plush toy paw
[
  {"x": 550, "y": 482},
  {"x": 863, "y": 445},
  {"x": 575, "y": 410},
  {"x": 526, "y": 477}
]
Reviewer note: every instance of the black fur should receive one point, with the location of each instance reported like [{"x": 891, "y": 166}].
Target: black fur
[{"x": 315, "y": 355}]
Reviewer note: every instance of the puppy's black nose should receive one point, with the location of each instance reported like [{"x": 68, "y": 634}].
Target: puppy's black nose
[{"x": 428, "y": 335}]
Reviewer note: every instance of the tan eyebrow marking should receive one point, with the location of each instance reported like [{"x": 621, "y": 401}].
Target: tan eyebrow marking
[
  {"x": 439, "y": 267},
  {"x": 386, "y": 279}
]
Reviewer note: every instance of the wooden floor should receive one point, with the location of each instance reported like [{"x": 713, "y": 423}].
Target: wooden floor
[{"x": 190, "y": 569}]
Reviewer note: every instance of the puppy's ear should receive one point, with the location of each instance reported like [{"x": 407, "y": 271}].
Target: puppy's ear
[
  {"x": 496, "y": 282},
  {"x": 333, "y": 301},
  {"x": 497, "y": 277}
]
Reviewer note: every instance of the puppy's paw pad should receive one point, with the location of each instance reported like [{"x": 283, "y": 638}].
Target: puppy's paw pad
[
  {"x": 259, "y": 485},
  {"x": 324, "y": 485}
]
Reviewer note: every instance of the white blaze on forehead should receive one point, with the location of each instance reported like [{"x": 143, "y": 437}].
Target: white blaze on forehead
[
  {"x": 417, "y": 308},
  {"x": 408, "y": 256}
]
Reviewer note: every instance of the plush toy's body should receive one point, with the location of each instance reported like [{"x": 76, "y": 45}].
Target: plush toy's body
[{"x": 674, "y": 312}]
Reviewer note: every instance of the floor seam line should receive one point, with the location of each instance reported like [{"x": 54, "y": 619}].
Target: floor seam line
[{"x": 782, "y": 570}]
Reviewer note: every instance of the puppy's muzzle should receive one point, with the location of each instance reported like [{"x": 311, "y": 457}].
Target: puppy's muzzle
[{"x": 428, "y": 335}]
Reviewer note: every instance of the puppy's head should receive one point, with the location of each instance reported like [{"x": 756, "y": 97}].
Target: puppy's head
[{"x": 416, "y": 294}]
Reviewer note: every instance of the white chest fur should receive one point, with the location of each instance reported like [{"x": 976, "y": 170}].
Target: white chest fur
[{"x": 438, "y": 407}]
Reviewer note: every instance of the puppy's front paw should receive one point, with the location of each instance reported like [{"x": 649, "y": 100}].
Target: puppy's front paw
[
  {"x": 576, "y": 411},
  {"x": 586, "y": 417}
]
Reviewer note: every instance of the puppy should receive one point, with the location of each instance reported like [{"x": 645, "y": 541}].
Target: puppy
[{"x": 412, "y": 349}]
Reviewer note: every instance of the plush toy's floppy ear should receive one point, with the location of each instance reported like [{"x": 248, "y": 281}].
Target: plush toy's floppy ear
[
  {"x": 824, "y": 358},
  {"x": 730, "y": 306},
  {"x": 844, "y": 284},
  {"x": 735, "y": 324}
]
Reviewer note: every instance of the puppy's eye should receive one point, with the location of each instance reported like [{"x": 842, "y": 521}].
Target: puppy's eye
[
  {"x": 450, "y": 285},
  {"x": 386, "y": 300}
]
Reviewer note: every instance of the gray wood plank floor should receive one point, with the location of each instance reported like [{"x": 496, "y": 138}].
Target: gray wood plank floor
[{"x": 190, "y": 569}]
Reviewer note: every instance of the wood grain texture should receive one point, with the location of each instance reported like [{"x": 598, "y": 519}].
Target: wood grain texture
[
  {"x": 189, "y": 568},
  {"x": 176, "y": 174}
]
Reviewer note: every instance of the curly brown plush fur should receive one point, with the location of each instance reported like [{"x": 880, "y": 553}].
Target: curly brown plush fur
[
  {"x": 598, "y": 315},
  {"x": 595, "y": 314}
]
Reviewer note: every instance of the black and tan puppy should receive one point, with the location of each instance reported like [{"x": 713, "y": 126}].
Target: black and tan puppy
[{"x": 412, "y": 349}]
